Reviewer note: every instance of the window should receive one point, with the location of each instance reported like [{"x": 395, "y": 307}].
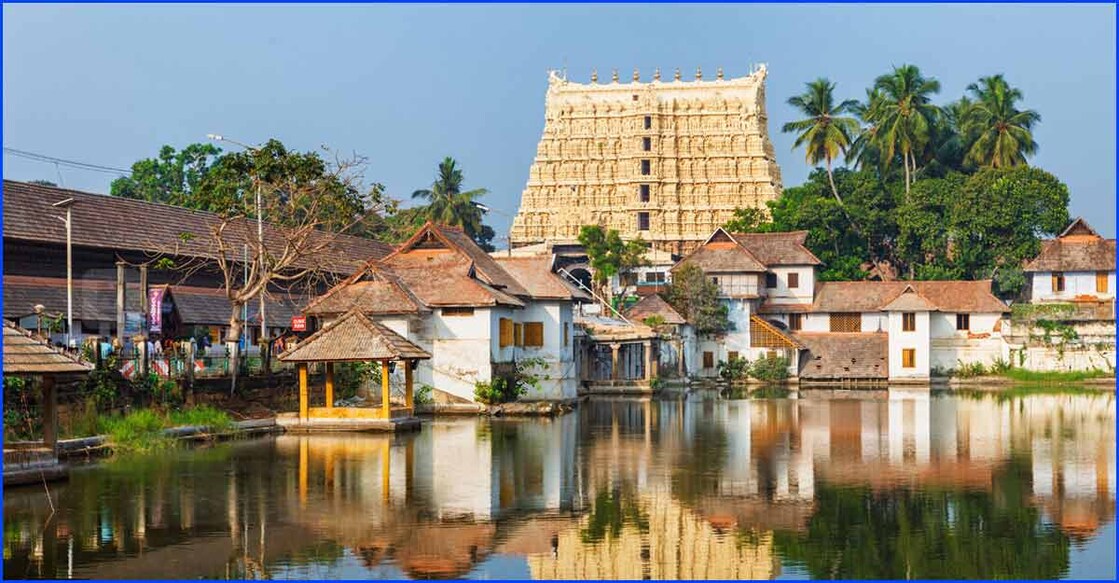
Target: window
[
  {"x": 708, "y": 360},
  {"x": 654, "y": 276},
  {"x": 1058, "y": 282},
  {"x": 794, "y": 280},
  {"x": 505, "y": 332},
  {"x": 566, "y": 334},
  {"x": 908, "y": 358},
  {"x": 796, "y": 321},
  {"x": 771, "y": 280},
  {"x": 845, "y": 322},
  {"x": 518, "y": 334},
  {"x": 1101, "y": 282},
  {"x": 648, "y": 122},
  {"x": 534, "y": 334},
  {"x": 642, "y": 221},
  {"x": 908, "y": 322},
  {"x": 647, "y": 144},
  {"x": 963, "y": 321},
  {"x": 458, "y": 311},
  {"x": 644, "y": 191},
  {"x": 645, "y": 167},
  {"x": 732, "y": 356}
]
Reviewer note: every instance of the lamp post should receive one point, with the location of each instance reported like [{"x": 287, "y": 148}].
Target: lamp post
[
  {"x": 68, "y": 205},
  {"x": 259, "y": 229},
  {"x": 509, "y": 237}
]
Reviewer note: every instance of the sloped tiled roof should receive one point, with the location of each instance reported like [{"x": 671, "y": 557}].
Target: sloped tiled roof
[
  {"x": 24, "y": 354},
  {"x": 120, "y": 223},
  {"x": 353, "y": 338},
  {"x": 844, "y": 356},
  {"x": 874, "y": 296},
  {"x": 654, "y": 305},
  {"x": 373, "y": 290},
  {"x": 1078, "y": 248},
  {"x": 535, "y": 275},
  {"x": 910, "y": 301},
  {"x": 723, "y": 257},
  {"x": 778, "y": 248}
]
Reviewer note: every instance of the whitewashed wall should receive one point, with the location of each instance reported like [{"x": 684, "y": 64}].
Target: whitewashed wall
[
  {"x": 899, "y": 340},
  {"x": 559, "y": 375},
  {"x": 1077, "y": 283},
  {"x": 802, "y": 294}
]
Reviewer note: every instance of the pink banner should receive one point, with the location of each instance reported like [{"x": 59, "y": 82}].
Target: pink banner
[{"x": 155, "y": 309}]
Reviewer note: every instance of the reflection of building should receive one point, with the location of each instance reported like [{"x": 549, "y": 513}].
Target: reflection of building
[
  {"x": 664, "y": 161},
  {"x": 675, "y": 543}
]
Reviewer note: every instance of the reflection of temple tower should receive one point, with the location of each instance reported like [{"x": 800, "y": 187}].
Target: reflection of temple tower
[{"x": 665, "y": 161}]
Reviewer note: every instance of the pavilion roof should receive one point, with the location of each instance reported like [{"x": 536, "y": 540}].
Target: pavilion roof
[
  {"x": 354, "y": 338},
  {"x": 25, "y": 354}
]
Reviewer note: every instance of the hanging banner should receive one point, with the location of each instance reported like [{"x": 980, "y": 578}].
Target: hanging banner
[{"x": 155, "y": 308}]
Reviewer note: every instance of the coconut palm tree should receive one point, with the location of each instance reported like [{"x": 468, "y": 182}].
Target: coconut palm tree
[
  {"x": 448, "y": 204},
  {"x": 825, "y": 132},
  {"x": 904, "y": 116},
  {"x": 1000, "y": 132}
]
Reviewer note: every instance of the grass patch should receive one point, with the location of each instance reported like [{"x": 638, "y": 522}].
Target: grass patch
[
  {"x": 201, "y": 416},
  {"x": 1070, "y": 376}
]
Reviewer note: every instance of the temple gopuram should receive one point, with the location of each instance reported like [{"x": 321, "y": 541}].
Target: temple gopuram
[{"x": 667, "y": 161}]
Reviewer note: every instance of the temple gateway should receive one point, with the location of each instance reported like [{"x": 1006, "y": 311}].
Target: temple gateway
[{"x": 668, "y": 161}]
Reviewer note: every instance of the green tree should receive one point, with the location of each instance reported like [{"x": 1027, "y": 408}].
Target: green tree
[
  {"x": 448, "y": 204},
  {"x": 172, "y": 177},
  {"x": 825, "y": 133},
  {"x": 1000, "y": 132},
  {"x": 902, "y": 116},
  {"x": 748, "y": 220},
  {"x": 696, "y": 298},
  {"x": 923, "y": 227},
  {"x": 609, "y": 255}
]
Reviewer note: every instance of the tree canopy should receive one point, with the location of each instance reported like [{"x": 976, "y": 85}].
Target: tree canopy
[
  {"x": 448, "y": 204},
  {"x": 695, "y": 297}
]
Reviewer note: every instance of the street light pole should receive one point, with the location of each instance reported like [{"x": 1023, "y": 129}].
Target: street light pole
[
  {"x": 259, "y": 229},
  {"x": 68, "y": 204}
]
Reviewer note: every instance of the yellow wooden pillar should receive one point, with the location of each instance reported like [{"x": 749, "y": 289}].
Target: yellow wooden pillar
[
  {"x": 330, "y": 385},
  {"x": 408, "y": 383},
  {"x": 385, "y": 411},
  {"x": 386, "y": 465},
  {"x": 303, "y": 399}
]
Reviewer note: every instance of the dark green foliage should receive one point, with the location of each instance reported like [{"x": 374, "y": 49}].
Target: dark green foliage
[
  {"x": 609, "y": 255},
  {"x": 448, "y": 204},
  {"x": 508, "y": 388},
  {"x": 734, "y": 369},
  {"x": 770, "y": 369},
  {"x": 695, "y": 297}
]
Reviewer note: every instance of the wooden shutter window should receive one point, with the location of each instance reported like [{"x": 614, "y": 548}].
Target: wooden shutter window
[
  {"x": 963, "y": 321},
  {"x": 796, "y": 321},
  {"x": 1058, "y": 282},
  {"x": 534, "y": 334},
  {"x": 518, "y": 334},
  {"x": 566, "y": 334},
  {"x": 1101, "y": 282},
  {"x": 908, "y": 322},
  {"x": 708, "y": 360},
  {"x": 908, "y": 358},
  {"x": 845, "y": 322},
  {"x": 505, "y": 332},
  {"x": 794, "y": 280}
]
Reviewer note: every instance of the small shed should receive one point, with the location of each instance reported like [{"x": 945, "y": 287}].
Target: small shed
[
  {"x": 354, "y": 337},
  {"x": 28, "y": 356}
]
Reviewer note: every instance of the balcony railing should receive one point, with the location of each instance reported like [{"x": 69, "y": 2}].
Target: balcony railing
[{"x": 738, "y": 290}]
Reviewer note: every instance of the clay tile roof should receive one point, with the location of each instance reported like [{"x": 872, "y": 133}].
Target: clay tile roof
[
  {"x": 120, "y": 223},
  {"x": 654, "y": 305},
  {"x": 24, "y": 354},
  {"x": 844, "y": 356},
  {"x": 910, "y": 301},
  {"x": 535, "y": 275},
  {"x": 485, "y": 266},
  {"x": 875, "y": 296},
  {"x": 778, "y": 248},
  {"x": 373, "y": 290},
  {"x": 1079, "y": 248},
  {"x": 353, "y": 337}
]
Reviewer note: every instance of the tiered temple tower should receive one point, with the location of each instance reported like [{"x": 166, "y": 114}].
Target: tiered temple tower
[{"x": 667, "y": 161}]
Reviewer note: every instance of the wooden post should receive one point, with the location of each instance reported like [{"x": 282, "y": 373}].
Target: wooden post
[
  {"x": 50, "y": 414},
  {"x": 648, "y": 347},
  {"x": 144, "y": 323},
  {"x": 120, "y": 301},
  {"x": 614, "y": 362},
  {"x": 408, "y": 383},
  {"x": 385, "y": 411},
  {"x": 303, "y": 401},
  {"x": 330, "y": 385},
  {"x": 188, "y": 393}
]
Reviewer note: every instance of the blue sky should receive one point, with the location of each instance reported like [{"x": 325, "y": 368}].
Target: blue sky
[{"x": 406, "y": 85}]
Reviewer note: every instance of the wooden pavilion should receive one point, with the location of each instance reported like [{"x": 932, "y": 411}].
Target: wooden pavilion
[
  {"x": 353, "y": 337},
  {"x": 31, "y": 357}
]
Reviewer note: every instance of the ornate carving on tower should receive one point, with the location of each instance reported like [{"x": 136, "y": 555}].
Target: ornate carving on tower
[{"x": 665, "y": 162}]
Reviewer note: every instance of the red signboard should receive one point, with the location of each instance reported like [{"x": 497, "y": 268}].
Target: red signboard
[{"x": 299, "y": 323}]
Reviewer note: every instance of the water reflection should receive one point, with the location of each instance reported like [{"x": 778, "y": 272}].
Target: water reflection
[{"x": 894, "y": 484}]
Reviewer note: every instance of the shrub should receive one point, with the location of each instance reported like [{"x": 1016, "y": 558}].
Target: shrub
[
  {"x": 201, "y": 416},
  {"x": 424, "y": 395},
  {"x": 974, "y": 369},
  {"x": 505, "y": 389},
  {"x": 138, "y": 431},
  {"x": 735, "y": 369},
  {"x": 770, "y": 369},
  {"x": 351, "y": 376}
]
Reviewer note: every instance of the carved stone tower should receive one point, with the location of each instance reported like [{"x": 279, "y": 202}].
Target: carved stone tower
[{"x": 665, "y": 161}]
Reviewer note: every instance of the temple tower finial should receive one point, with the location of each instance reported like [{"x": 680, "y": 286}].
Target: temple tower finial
[
  {"x": 698, "y": 74},
  {"x": 614, "y": 76},
  {"x": 636, "y": 75},
  {"x": 719, "y": 73},
  {"x": 677, "y": 77},
  {"x": 657, "y": 74},
  {"x": 594, "y": 76}
]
